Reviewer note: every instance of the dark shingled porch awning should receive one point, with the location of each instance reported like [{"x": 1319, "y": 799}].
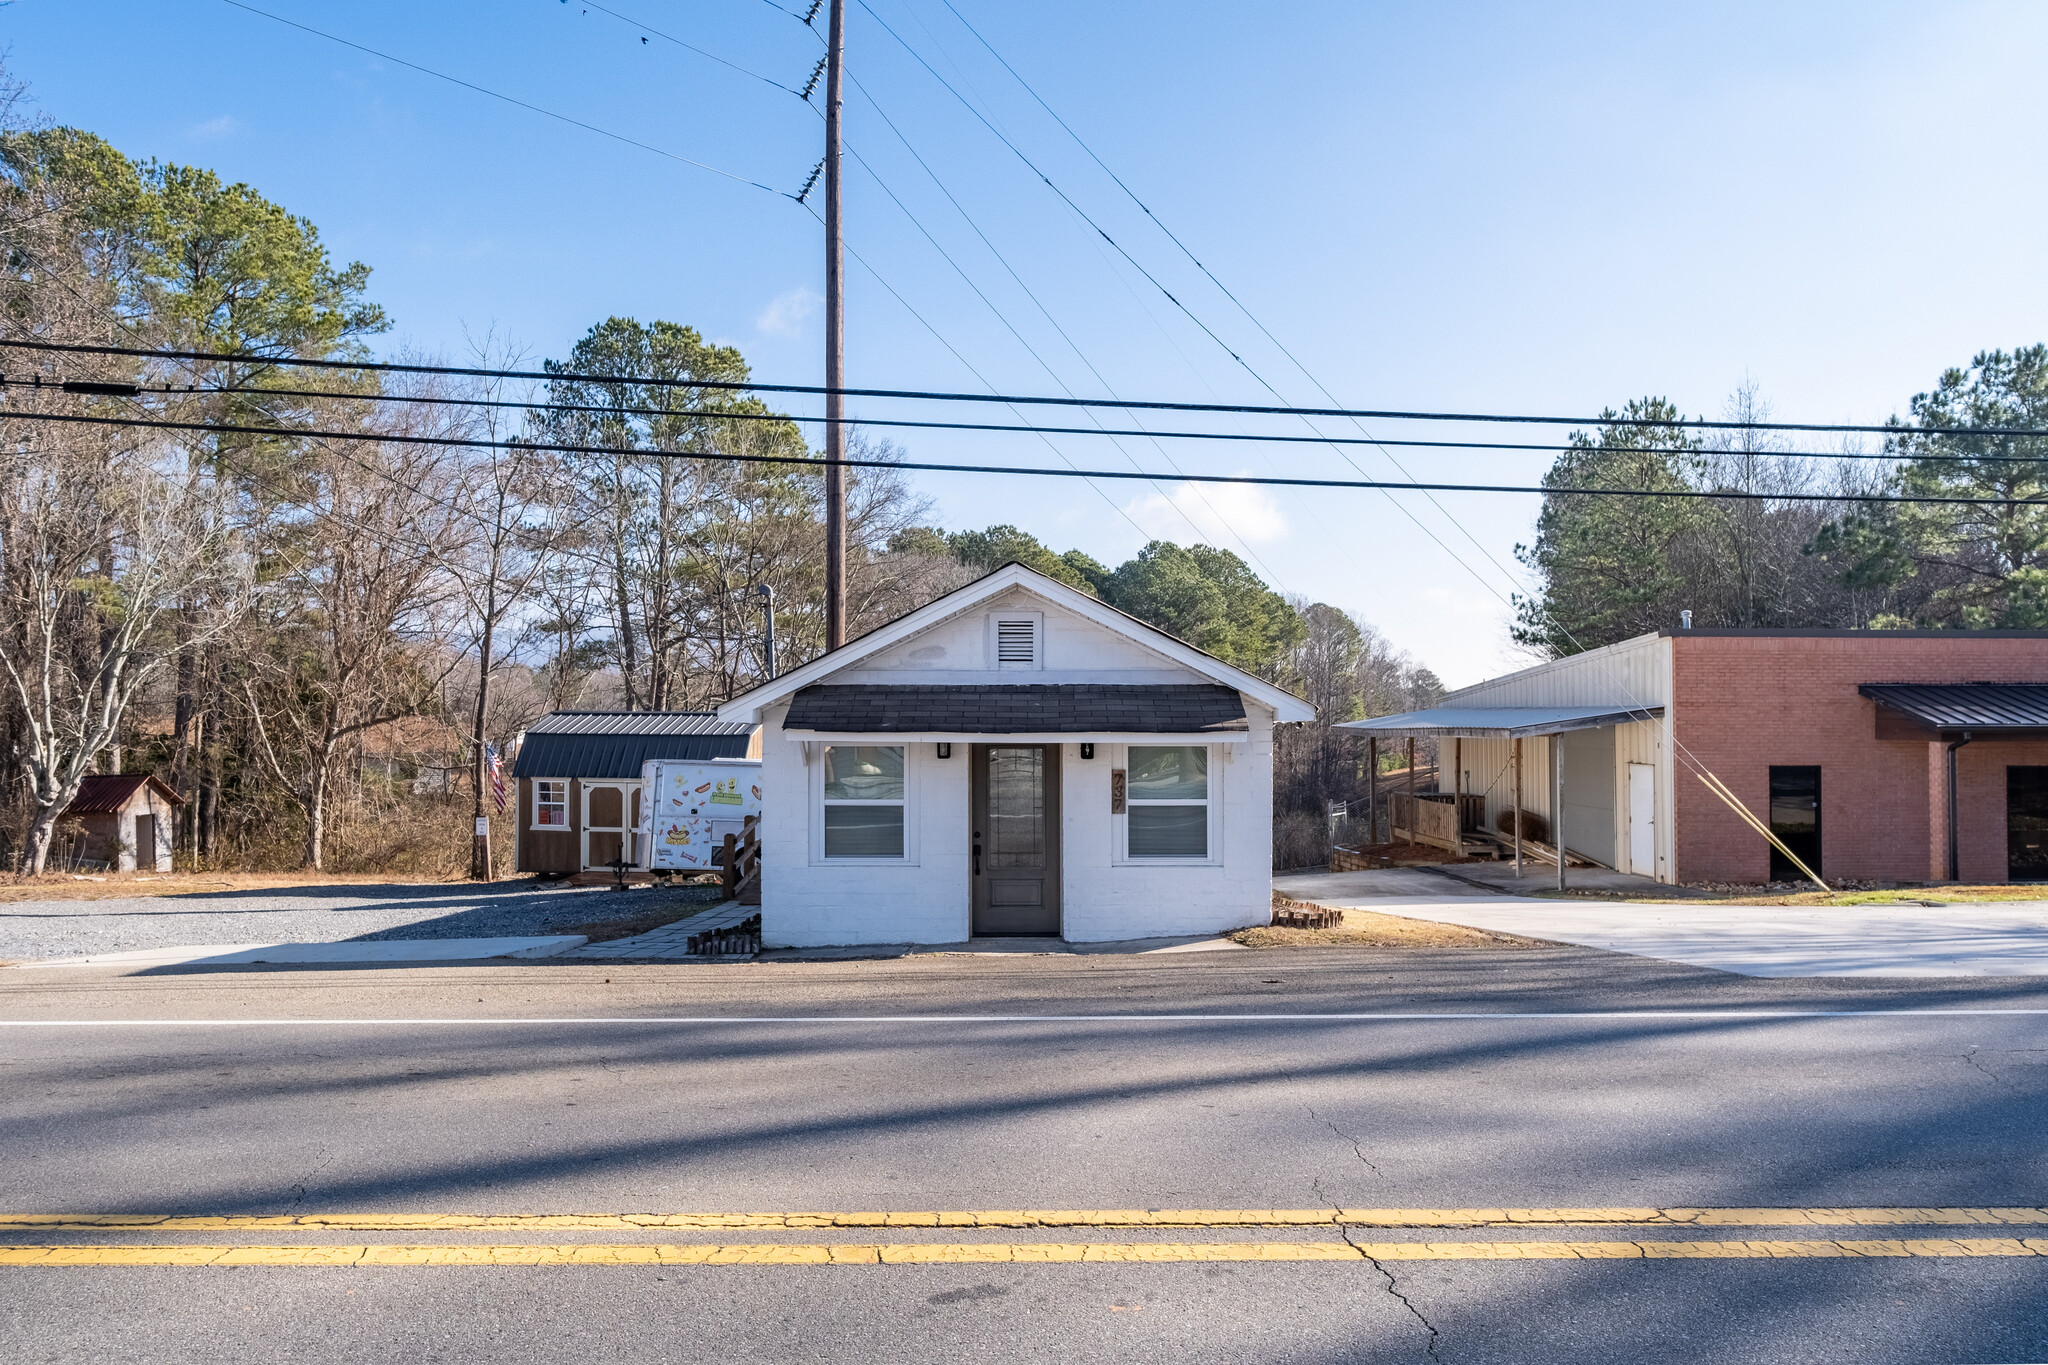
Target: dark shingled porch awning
[{"x": 1027, "y": 709}]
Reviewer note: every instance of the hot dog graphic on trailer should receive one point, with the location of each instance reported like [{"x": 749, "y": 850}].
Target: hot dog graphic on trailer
[{"x": 696, "y": 804}]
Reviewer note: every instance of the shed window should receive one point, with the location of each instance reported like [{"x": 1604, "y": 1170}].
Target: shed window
[
  {"x": 550, "y": 804},
  {"x": 864, "y": 801},
  {"x": 1167, "y": 802}
]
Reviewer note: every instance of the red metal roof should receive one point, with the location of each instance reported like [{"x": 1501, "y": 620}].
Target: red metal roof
[{"x": 107, "y": 793}]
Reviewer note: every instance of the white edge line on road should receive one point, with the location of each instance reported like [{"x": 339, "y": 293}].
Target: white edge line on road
[{"x": 1733, "y": 1016}]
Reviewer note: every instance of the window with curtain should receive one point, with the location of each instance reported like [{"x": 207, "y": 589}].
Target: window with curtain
[
  {"x": 863, "y": 801},
  {"x": 1167, "y": 801}
]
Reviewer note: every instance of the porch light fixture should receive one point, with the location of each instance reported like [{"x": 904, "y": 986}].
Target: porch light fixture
[
  {"x": 1087, "y": 751},
  {"x": 945, "y": 750}
]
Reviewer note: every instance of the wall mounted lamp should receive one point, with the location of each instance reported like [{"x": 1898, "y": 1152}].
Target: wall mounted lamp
[
  {"x": 945, "y": 750},
  {"x": 1087, "y": 751}
]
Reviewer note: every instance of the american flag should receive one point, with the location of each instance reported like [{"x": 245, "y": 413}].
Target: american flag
[{"x": 496, "y": 762}]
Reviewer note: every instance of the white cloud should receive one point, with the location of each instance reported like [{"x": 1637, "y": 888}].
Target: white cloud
[
  {"x": 1221, "y": 513},
  {"x": 216, "y": 127},
  {"x": 786, "y": 314}
]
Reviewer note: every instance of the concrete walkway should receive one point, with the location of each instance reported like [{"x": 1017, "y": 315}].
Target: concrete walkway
[{"x": 2008, "y": 938}]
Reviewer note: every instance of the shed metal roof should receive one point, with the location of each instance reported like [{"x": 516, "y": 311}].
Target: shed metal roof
[
  {"x": 107, "y": 793},
  {"x": 635, "y": 723},
  {"x": 1032, "y": 708},
  {"x": 1499, "y": 722},
  {"x": 1979, "y": 707},
  {"x": 615, "y": 744}
]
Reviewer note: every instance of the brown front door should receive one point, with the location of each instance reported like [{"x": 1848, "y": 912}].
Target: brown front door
[
  {"x": 1016, "y": 864},
  {"x": 145, "y": 843}
]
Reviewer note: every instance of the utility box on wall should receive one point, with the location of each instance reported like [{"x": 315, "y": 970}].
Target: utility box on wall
[{"x": 692, "y": 805}]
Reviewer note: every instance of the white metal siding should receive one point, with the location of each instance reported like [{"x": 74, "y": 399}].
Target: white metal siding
[{"x": 1632, "y": 673}]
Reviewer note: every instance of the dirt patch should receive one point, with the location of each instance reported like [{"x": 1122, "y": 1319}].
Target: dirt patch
[
  {"x": 1369, "y": 929},
  {"x": 641, "y": 914},
  {"x": 101, "y": 886},
  {"x": 1399, "y": 854}
]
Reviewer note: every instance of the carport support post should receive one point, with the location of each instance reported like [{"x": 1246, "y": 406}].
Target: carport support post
[
  {"x": 1518, "y": 806},
  {"x": 1372, "y": 790},
  {"x": 1411, "y": 791},
  {"x": 1557, "y": 803},
  {"x": 1457, "y": 788}
]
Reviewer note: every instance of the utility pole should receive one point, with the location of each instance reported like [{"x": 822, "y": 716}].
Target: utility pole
[
  {"x": 835, "y": 339},
  {"x": 767, "y": 595}
]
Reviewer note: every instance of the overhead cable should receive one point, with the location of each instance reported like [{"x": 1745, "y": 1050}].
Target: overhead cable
[
  {"x": 927, "y": 395},
  {"x": 1017, "y": 428},
  {"x": 482, "y": 90},
  {"x": 814, "y": 462}
]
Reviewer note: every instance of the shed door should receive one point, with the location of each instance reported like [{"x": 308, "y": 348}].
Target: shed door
[
  {"x": 145, "y": 843},
  {"x": 1016, "y": 855},
  {"x": 1642, "y": 819},
  {"x": 607, "y": 824}
]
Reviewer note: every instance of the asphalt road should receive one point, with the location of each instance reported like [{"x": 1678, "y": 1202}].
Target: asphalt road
[{"x": 333, "y": 1092}]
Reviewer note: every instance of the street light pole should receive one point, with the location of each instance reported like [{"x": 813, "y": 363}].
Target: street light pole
[{"x": 835, "y": 340}]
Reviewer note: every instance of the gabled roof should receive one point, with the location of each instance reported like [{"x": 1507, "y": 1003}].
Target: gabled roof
[
  {"x": 747, "y": 706},
  {"x": 614, "y": 744},
  {"x": 108, "y": 793}
]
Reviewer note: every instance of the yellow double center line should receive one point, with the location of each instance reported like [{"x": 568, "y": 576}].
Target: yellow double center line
[{"x": 1024, "y": 1253}]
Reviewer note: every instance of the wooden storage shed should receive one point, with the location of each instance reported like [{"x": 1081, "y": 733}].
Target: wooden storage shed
[
  {"x": 129, "y": 820},
  {"x": 578, "y": 775}
]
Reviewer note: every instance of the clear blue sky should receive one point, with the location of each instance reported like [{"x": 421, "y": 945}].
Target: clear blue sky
[{"x": 1487, "y": 207}]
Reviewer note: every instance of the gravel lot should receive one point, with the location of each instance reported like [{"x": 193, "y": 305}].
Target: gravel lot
[{"x": 312, "y": 914}]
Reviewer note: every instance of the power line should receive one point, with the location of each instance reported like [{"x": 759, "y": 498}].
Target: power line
[
  {"x": 1043, "y": 311},
  {"x": 805, "y": 461},
  {"x": 927, "y": 395},
  {"x": 631, "y": 22},
  {"x": 1022, "y": 429},
  {"x": 481, "y": 90},
  {"x": 969, "y": 367}
]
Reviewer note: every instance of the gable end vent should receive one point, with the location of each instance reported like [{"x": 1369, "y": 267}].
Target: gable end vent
[{"x": 1017, "y": 643}]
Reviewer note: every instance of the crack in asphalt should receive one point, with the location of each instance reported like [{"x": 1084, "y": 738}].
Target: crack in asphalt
[
  {"x": 1356, "y": 1150},
  {"x": 1989, "y": 1074},
  {"x": 1394, "y": 1288}
]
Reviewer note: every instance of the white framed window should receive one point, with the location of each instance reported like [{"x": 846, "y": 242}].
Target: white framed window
[
  {"x": 1016, "y": 639},
  {"x": 550, "y": 803},
  {"x": 1172, "y": 805},
  {"x": 863, "y": 803}
]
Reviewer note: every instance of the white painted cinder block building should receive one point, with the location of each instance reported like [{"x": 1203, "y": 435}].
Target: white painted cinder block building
[{"x": 1015, "y": 758}]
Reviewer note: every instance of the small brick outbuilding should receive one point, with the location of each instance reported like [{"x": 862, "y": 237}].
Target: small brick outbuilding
[
  {"x": 1907, "y": 755},
  {"x": 129, "y": 821}
]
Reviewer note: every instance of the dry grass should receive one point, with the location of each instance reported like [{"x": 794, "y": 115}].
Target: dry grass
[
  {"x": 1940, "y": 895},
  {"x": 1369, "y": 929},
  {"x": 100, "y": 886}
]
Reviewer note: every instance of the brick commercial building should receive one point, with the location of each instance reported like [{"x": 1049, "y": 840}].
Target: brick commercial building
[{"x": 1905, "y": 755}]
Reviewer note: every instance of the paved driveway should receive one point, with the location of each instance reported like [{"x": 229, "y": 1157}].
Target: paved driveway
[{"x": 2005, "y": 939}]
